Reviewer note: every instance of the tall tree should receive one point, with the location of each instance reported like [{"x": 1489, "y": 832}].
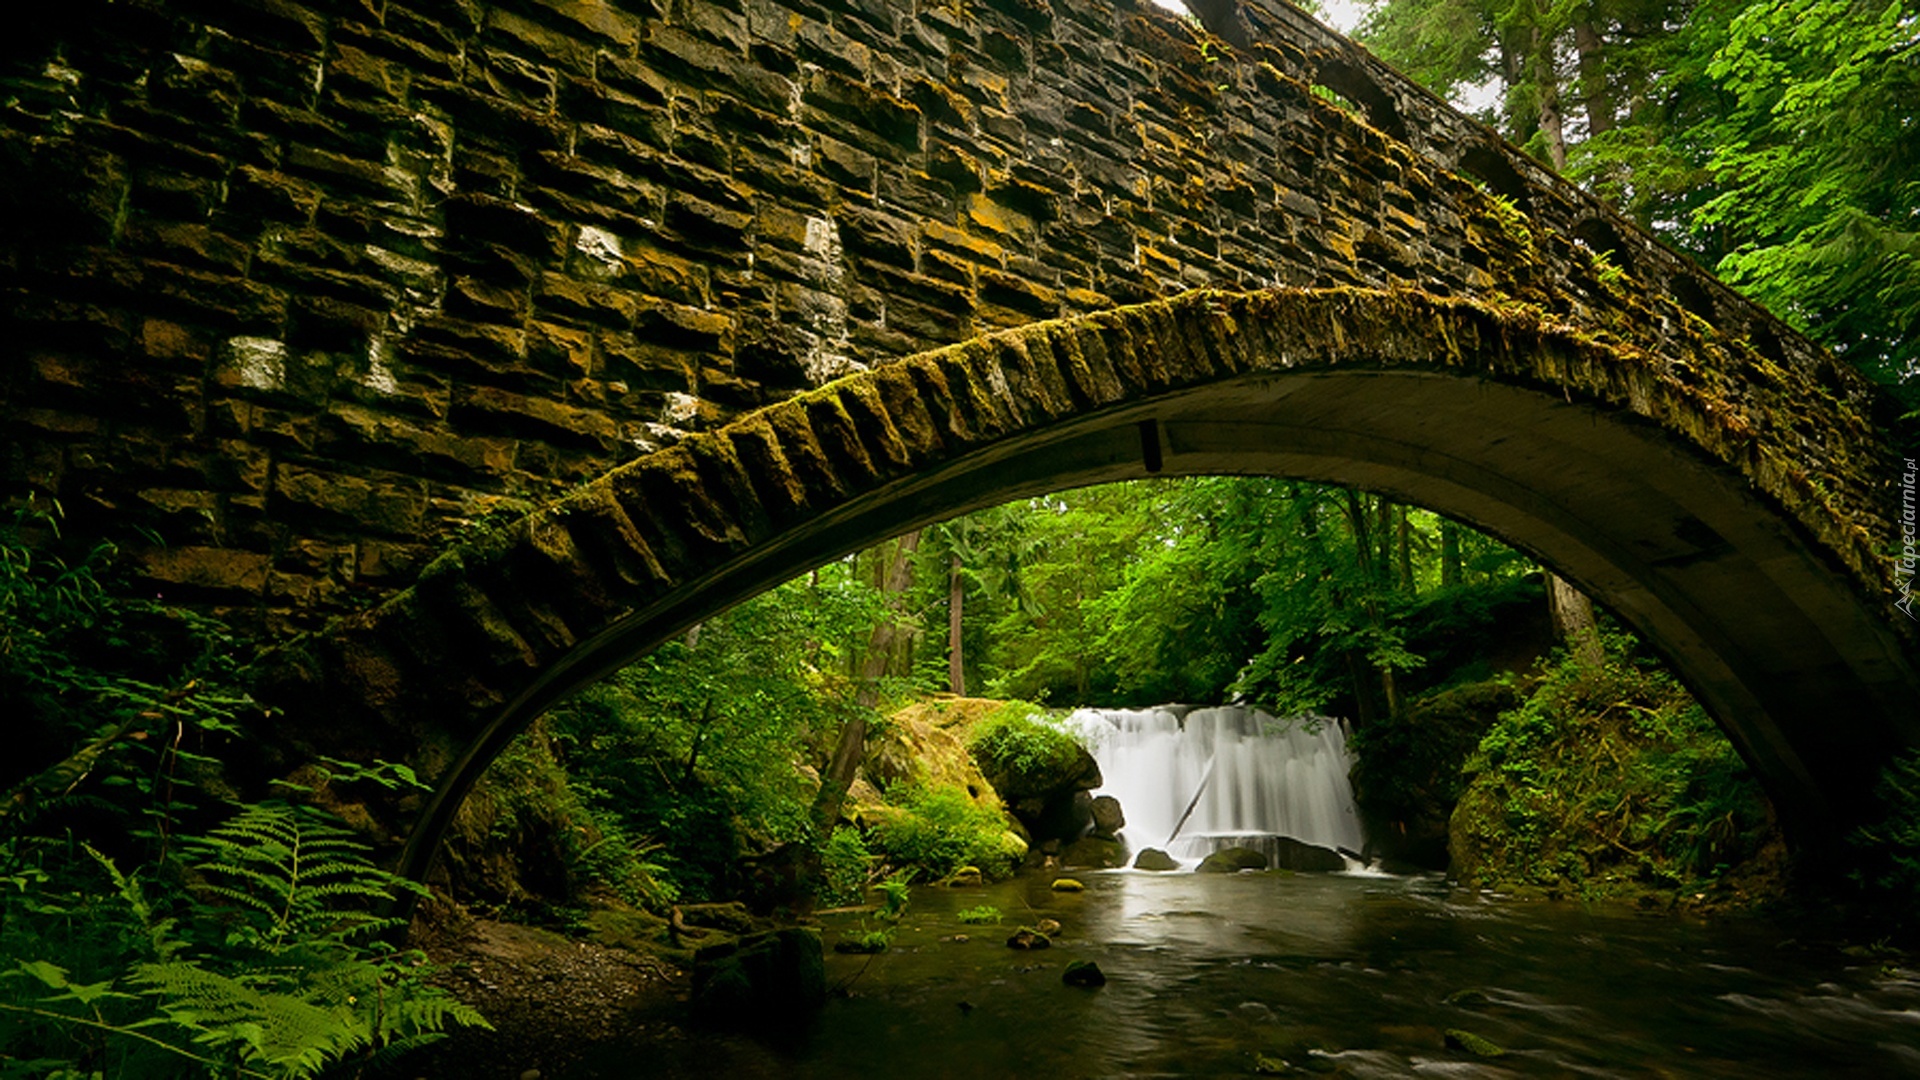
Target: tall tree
[
  {"x": 887, "y": 643},
  {"x": 1818, "y": 166}
]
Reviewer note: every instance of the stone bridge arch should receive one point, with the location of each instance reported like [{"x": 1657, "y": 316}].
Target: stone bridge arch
[
  {"x": 311, "y": 287},
  {"x": 1588, "y": 454}
]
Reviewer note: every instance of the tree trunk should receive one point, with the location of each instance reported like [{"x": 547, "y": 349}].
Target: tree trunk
[
  {"x": 1573, "y": 620},
  {"x": 1546, "y": 83},
  {"x": 1596, "y": 97},
  {"x": 895, "y": 578},
  {"x": 956, "y": 666},
  {"x": 1449, "y": 554},
  {"x": 1405, "y": 542}
]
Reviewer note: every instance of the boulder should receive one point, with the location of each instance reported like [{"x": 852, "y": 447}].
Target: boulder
[
  {"x": 1108, "y": 819},
  {"x": 1155, "y": 859},
  {"x": 1094, "y": 853},
  {"x": 1291, "y": 854},
  {"x": 1232, "y": 859},
  {"x": 911, "y": 749},
  {"x": 1067, "y": 884},
  {"x": 1084, "y": 973},
  {"x": 1063, "y": 816},
  {"x": 776, "y": 976}
]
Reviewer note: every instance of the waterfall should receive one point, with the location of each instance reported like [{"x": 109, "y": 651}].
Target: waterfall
[{"x": 1269, "y": 778}]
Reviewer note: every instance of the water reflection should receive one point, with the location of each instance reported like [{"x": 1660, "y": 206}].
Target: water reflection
[{"x": 1208, "y": 974}]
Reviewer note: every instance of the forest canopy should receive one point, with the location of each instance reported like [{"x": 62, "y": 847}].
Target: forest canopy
[{"x": 1776, "y": 143}]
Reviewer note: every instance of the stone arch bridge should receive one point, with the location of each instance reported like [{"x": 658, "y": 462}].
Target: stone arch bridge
[{"x": 514, "y": 336}]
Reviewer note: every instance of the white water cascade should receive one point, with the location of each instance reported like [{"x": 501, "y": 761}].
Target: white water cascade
[{"x": 1268, "y": 777}]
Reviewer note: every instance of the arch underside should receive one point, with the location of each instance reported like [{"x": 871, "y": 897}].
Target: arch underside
[{"x": 1768, "y": 626}]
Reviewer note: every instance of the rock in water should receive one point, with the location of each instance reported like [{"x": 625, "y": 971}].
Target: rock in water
[
  {"x": 1048, "y": 927},
  {"x": 1473, "y": 1044},
  {"x": 1084, "y": 973},
  {"x": 1094, "y": 853},
  {"x": 1067, "y": 884},
  {"x": 1155, "y": 859},
  {"x": 1231, "y": 859},
  {"x": 777, "y": 976},
  {"x": 1108, "y": 819},
  {"x": 1027, "y": 938},
  {"x": 1291, "y": 854}
]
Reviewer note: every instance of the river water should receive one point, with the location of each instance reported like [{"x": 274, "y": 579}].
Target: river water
[{"x": 1331, "y": 973}]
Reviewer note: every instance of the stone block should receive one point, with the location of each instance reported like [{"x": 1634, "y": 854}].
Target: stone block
[
  {"x": 388, "y": 506},
  {"x": 492, "y": 411},
  {"x": 865, "y": 107},
  {"x": 200, "y": 573}
]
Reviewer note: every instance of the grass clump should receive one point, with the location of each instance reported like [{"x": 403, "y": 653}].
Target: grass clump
[{"x": 983, "y": 915}]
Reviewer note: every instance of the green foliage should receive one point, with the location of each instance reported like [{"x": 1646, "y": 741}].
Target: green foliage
[
  {"x": 268, "y": 965},
  {"x": 895, "y": 896},
  {"x": 689, "y": 756},
  {"x": 1777, "y": 143},
  {"x": 983, "y": 915},
  {"x": 1608, "y": 781},
  {"x": 846, "y": 867},
  {"x": 1295, "y": 595},
  {"x": 116, "y": 706},
  {"x": 247, "y": 948},
  {"x": 1016, "y": 742},
  {"x": 866, "y": 941},
  {"x": 941, "y": 829},
  {"x": 1888, "y": 849},
  {"x": 1815, "y": 163}
]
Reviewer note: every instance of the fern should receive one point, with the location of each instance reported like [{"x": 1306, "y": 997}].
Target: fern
[
  {"x": 294, "y": 876},
  {"x": 276, "y": 972}
]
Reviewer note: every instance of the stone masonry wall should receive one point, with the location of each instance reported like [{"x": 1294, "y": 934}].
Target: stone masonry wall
[{"x": 305, "y": 287}]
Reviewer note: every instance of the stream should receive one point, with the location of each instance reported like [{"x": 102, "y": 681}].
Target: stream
[{"x": 1347, "y": 974}]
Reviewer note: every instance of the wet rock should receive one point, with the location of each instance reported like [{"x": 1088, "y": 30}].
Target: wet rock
[
  {"x": 1473, "y": 1044},
  {"x": 1063, "y": 816},
  {"x": 1048, "y": 927},
  {"x": 1027, "y": 938},
  {"x": 1084, "y": 973},
  {"x": 1231, "y": 860},
  {"x": 1270, "y": 1066},
  {"x": 1108, "y": 819},
  {"x": 965, "y": 877},
  {"x": 1067, "y": 884},
  {"x": 777, "y": 976},
  {"x": 732, "y": 917},
  {"x": 1291, "y": 854},
  {"x": 1156, "y": 860},
  {"x": 1094, "y": 853},
  {"x": 1469, "y": 999}
]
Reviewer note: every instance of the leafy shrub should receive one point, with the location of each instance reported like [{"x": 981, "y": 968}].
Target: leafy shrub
[
  {"x": 894, "y": 896},
  {"x": 845, "y": 867},
  {"x": 942, "y": 830},
  {"x": 270, "y": 967},
  {"x": 1608, "y": 780},
  {"x": 983, "y": 915},
  {"x": 1019, "y": 750},
  {"x": 249, "y": 948},
  {"x": 1888, "y": 849}
]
